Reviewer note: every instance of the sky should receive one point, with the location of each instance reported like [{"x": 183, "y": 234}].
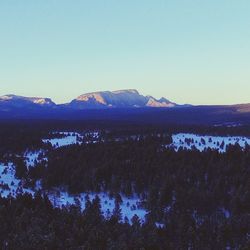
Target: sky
[{"x": 189, "y": 51}]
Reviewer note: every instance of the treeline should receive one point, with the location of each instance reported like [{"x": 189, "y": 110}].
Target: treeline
[
  {"x": 44, "y": 127},
  {"x": 29, "y": 224},
  {"x": 16, "y": 141},
  {"x": 32, "y": 223}
]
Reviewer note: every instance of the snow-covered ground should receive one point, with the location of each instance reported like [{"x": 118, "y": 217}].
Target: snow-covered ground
[
  {"x": 129, "y": 206},
  {"x": 70, "y": 138},
  {"x": 9, "y": 184},
  {"x": 33, "y": 157},
  {"x": 181, "y": 140},
  {"x": 202, "y": 142},
  {"x": 59, "y": 142}
]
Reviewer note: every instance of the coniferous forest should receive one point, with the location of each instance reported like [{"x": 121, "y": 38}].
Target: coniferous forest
[{"x": 193, "y": 199}]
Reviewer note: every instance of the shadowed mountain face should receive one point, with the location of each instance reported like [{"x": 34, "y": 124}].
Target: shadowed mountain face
[{"x": 118, "y": 99}]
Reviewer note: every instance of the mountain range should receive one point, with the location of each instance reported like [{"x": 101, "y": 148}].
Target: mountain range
[
  {"x": 121, "y": 106},
  {"x": 97, "y": 100}
]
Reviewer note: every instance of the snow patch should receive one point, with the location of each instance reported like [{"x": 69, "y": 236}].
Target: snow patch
[
  {"x": 33, "y": 157},
  {"x": 202, "y": 142},
  {"x": 9, "y": 184},
  {"x": 70, "y": 138},
  {"x": 129, "y": 206}
]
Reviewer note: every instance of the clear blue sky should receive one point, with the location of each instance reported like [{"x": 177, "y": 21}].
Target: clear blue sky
[{"x": 190, "y": 51}]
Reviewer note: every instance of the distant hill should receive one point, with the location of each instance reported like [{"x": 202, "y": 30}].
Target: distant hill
[{"x": 14, "y": 101}]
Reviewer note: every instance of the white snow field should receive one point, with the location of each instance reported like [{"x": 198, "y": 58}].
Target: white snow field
[
  {"x": 72, "y": 138},
  {"x": 60, "y": 142},
  {"x": 9, "y": 184},
  {"x": 33, "y": 157},
  {"x": 202, "y": 142},
  {"x": 180, "y": 140}
]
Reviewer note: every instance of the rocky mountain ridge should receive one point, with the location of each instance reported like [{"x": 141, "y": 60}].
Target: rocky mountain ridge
[{"x": 96, "y": 100}]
